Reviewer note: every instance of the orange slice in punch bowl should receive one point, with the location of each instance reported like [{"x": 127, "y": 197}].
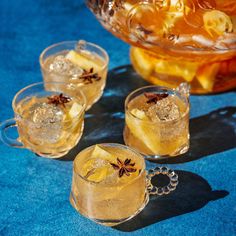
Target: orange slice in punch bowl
[
  {"x": 150, "y": 68},
  {"x": 217, "y": 22},
  {"x": 142, "y": 62},
  {"x": 206, "y": 76}
]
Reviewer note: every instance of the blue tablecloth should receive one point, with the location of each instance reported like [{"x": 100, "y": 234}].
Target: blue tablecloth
[{"x": 34, "y": 191}]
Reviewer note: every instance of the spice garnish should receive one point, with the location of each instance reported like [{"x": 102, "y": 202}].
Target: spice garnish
[
  {"x": 88, "y": 76},
  {"x": 125, "y": 167},
  {"x": 58, "y": 100},
  {"x": 154, "y": 98},
  {"x": 90, "y": 172}
]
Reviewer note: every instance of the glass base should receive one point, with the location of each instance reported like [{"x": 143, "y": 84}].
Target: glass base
[
  {"x": 182, "y": 150},
  {"x": 109, "y": 222},
  {"x": 138, "y": 146},
  {"x": 52, "y": 156}
]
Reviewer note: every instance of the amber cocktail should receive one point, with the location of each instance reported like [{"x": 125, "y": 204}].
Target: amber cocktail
[
  {"x": 176, "y": 40},
  {"x": 49, "y": 123},
  {"x": 110, "y": 184},
  {"x": 81, "y": 65},
  {"x": 157, "y": 122}
]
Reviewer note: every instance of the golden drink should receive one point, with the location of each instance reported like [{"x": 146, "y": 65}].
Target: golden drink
[
  {"x": 80, "y": 65},
  {"x": 109, "y": 183},
  {"x": 177, "y": 40},
  {"x": 49, "y": 124},
  {"x": 157, "y": 122}
]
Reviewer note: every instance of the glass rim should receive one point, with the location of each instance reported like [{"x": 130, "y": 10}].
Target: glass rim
[
  {"x": 127, "y": 100},
  {"x": 42, "y": 64},
  {"x": 42, "y": 83},
  {"x": 109, "y": 144}
]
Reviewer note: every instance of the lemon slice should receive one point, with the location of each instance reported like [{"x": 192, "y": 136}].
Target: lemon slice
[
  {"x": 141, "y": 129},
  {"x": 206, "y": 75},
  {"x": 99, "y": 174},
  {"x": 146, "y": 64},
  {"x": 75, "y": 110},
  {"x": 186, "y": 70},
  {"x": 142, "y": 62},
  {"x": 93, "y": 173},
  {"x": 99, "y": 152},
  {"x": 82, "y": 61},
  {"x": 217, "y": 22},
  {"x": 139, "y": 114}
]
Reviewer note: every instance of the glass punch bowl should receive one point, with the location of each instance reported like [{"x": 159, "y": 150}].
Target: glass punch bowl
[{"x": 176, "y": 40}]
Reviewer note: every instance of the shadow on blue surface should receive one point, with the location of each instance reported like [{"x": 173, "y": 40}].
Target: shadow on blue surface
[
  {"x": 211, "y": 133},
  {"x": 192, "y": 193},
  {"x": 105, "y": 120}
]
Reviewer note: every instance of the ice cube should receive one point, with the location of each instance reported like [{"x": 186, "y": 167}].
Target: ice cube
[
  {"x": 164, "y": 110},
  {"x": 75, "y": 72},
  {"x": 112, "y": 177},
  {"x": 62, "y": 65},
  {"x": 97, "y": 170},
  {"x": 47, "y": 122}
]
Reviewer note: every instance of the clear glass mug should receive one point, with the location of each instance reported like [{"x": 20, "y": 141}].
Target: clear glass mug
[
  {"x": 108, "y": 195},
  {"x": 157, "y": 121},
  {"x": 49, "y": 122},
  {"x": 81, "y": 64}
]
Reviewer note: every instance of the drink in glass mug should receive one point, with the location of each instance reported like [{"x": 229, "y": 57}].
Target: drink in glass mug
[
  {"x": 157, "y": 121},
  {"x": 80, "y": 65},
  {"x": 49, "y": 123},
  {"x": 110, "y": 184}
]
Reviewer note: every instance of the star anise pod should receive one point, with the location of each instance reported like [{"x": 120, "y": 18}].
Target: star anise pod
[
  {"x": 154, "y": 98},
  {"x": 125, "y": 167},
  {"x": 58, "y": 100},
  {"x": 88, "y": 76}
]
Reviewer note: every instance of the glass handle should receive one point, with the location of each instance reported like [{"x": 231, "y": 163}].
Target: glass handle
[
  {"x": 153, "y": 190},
  {"x": 11, "y": 123}
]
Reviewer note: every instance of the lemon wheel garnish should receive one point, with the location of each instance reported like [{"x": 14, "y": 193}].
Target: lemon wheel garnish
[
  {"x": 82, "y": 61},
  {"x": 217, "y": 22},
  {"x": 93, "y": 174},
  {"x": 99, "y": 152},
  {"x": 143, "y": 130}
]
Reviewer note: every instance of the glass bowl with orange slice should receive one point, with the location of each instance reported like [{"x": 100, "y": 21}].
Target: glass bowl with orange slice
[{"x": 175, "y": 41}]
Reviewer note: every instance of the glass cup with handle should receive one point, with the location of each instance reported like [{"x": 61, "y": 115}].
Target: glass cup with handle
[
  {"x": 49, "y": 120},
  {"x": 110, "y": 183},
  {"x": 157, "y": 121},
  {"x": 81, "y": 64}
]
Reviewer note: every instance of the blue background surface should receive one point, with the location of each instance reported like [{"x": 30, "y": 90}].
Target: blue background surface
[{"x": 34, "y": 191}]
